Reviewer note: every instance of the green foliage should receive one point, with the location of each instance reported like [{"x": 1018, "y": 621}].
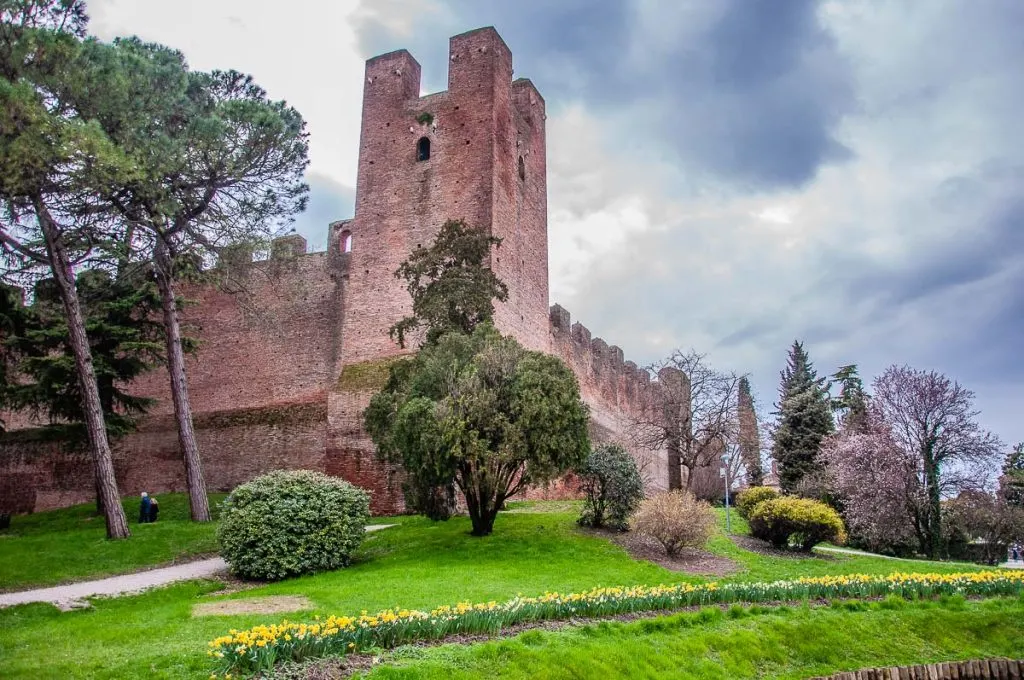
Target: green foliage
[
  {"x": 611, "y": 483},
  {"x": 749, "y": 498},
  {"x": 124, "y": 340},
  {"x": 676, "y": 519},
  {"x": 425, "y": 118},
  {"x": 1012, "y": 483},
  {"x": 481, "y": 412},
  {"x": 804, "y": 419},
  {"x": 451, "y": 283},
  {"x": 800, "y": 521},
  {"x": 288, "y": 523},
  {"x": 852, "y": 403}
]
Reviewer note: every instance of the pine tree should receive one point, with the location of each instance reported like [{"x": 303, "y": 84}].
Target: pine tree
[
  {"x": 1012, "y": 483},
  {"x": 851, "y": 405},
  {"x": 804, "y": 419}
]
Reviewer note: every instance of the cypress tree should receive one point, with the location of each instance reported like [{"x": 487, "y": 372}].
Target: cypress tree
[{"x": 804, "y": 419}]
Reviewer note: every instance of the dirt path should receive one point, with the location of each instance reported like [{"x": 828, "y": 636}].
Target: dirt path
[{"x": 72, "y": 596}]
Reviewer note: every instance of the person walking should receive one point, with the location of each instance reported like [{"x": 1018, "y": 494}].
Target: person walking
[
  {"x": 144, "y": 507},
  {"x": 154, "y": 509}
]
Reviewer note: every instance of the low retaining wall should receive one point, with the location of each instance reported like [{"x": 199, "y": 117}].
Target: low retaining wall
[{"x": 990, "y": 669}]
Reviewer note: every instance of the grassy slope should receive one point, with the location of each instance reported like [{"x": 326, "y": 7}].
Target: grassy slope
[
  {"x": 796, "y": 642},
  {"x": 415, "y": 564},
  {"x": 47, "y": 548}
]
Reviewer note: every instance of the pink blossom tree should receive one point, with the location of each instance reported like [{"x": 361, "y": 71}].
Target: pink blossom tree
[{"x": 923, "y": 444}]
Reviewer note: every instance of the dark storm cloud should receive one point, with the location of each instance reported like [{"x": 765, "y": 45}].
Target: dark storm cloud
[
  {"x": 328, "y": 201},
  {"x": 750, "y": 92}
]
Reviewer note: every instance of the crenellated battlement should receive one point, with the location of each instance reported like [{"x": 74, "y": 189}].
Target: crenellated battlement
[{"x": 601, "y": 369}]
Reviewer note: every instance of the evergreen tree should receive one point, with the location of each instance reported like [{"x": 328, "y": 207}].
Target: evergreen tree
[
  {"x": 124, "y": 339},
  {"x": 1012, "y": 482},
  {"x": 451, "y": 285},
  {"x": 804, "y": 419},
  {"x": 852, "y": 403}
]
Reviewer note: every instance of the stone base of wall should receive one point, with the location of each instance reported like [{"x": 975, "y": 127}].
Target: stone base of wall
[{"x": 989, "y": 669}]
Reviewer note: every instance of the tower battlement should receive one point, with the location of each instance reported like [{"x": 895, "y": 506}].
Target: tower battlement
[{"x": 474, "y": 152}]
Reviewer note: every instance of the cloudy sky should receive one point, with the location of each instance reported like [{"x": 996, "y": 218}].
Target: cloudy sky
[{"x": 724, "y": 175}]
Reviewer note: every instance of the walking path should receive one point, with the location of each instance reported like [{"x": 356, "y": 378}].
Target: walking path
[
  {"x": 1018, "y": 564},
  {"x": 72, "y": 596}
]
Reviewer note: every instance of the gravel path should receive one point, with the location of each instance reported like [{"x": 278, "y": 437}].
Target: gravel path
[{"x": 72, "y": 596}]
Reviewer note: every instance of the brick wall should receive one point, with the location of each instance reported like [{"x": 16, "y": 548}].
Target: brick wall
[{"x": 276, "y": 334}]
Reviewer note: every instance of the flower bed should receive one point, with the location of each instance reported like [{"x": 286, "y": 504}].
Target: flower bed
[{"x": 259, "y": 648}]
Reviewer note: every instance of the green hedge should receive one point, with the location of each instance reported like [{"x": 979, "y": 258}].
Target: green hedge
[
  {"x": 749, "y": 498},
  {"x": 800, "y": 521},
  {"x": 288, "y": 523}
]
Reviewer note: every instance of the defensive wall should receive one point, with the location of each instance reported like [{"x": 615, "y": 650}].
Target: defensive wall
[{"x": 292, "y": 347}]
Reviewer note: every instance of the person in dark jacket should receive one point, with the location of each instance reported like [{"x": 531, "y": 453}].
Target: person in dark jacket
[
  {"x": 144, "y": 507},
  {"x": 154, "y": 509}
]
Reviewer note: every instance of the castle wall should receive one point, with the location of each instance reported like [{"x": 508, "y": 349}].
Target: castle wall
[{"x": 293, "y": 348}]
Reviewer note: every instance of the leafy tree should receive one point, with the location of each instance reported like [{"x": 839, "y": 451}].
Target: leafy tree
[
  {"x": 612, "y": 487},
  {"x": 804, "y": 419},
  {"x": 481, "y": 412},
  {"x": 981, "y": 515},
  {"x": 852, "y": 403},
  {"x": 217, "y": 164},
  {"x": 451, "y": 286},
  {"x": 53, "y": 166}
]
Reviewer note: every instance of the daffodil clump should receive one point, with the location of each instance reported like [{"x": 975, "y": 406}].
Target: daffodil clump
[{"x": 248, "y": 651}]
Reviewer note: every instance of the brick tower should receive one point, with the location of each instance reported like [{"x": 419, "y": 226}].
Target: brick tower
[{"x": 475, "y": 152}]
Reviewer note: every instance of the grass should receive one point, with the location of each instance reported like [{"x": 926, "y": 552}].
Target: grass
[
  {"x": 59, "y": 546},
  {"x": 415, "y": 564},
  {"x": 787, "y": 642}
]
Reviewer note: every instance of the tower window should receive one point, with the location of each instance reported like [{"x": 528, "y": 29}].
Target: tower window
[
  {"x": 423, "y": 149},
  {"x": 346, "y": 241},
  {"x": 522, "y": 168}
]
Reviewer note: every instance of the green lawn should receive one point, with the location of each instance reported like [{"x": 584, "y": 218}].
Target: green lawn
[
  {"x": 48, "y": 548},
  {"x": 790, "y": 642},
  {"x": 415, "y": 564}
]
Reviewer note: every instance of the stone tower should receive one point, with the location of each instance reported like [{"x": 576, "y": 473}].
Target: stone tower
[{"x": 474, "y": 152}]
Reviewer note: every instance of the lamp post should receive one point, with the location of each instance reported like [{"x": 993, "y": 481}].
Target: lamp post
[{"x": 725, "y": 473}]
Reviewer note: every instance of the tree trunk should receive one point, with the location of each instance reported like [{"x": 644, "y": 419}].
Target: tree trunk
[
  {"x": 92, "y": 409},
  {"x": 934, "y": 523},
  {"x": 198, "y": 503},
  {"x": 675, "y": 466}
]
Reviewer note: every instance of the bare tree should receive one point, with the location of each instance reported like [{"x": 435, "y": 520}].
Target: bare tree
[{"x": 693, "y": 414}]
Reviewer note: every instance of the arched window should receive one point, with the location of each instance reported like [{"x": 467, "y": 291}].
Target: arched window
[
  {"x": 423, "y": 149},
  {"x": 522, "y": 168},
  {"x": 346, "y": 241}
]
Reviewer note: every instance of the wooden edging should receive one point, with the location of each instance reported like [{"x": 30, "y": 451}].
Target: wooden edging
[{"x": 985, "y": 669}]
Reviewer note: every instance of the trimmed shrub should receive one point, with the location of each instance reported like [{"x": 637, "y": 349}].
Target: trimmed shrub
[
  {"x": 611, "y": 482},
  {"x": 798, "y": 521},
  {"x": 748, "y": 499},
  {"x": 676, "y": 519},
  {"x": 291, "y": 522}
]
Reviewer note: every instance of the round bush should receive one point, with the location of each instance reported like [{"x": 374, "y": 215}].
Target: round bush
[
  {"x": 612, "y": 486},
  {"x": 676, "y": 519},
  {"x": 748, "y": 499},
  {"x": 291, "y": 522},
  {"x": 799, "y": 521}
]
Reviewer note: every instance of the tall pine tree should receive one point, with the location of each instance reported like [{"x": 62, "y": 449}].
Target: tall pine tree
[
  {"x": 804, "y": 419},
  {"x": 851, "y": 406}
]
